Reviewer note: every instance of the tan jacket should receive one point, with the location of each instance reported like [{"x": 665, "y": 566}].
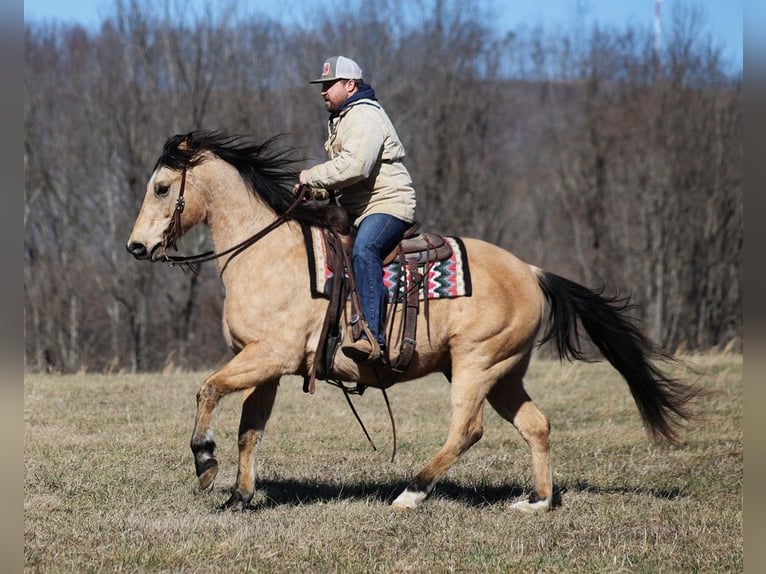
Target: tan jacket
[{"x": 366, "y": 164}]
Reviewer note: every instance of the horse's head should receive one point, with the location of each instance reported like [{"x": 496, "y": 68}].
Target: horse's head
[
  {"x": 160, "y": 223},
  {"x": 192, "y": 166}
]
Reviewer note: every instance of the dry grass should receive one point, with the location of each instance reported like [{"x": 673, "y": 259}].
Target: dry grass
[{"x": 109, "y": 482}]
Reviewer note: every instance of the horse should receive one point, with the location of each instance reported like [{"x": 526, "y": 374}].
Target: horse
[{"x": 242, "y": 189}]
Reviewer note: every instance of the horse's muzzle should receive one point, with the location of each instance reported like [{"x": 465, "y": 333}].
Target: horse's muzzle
[{"x": 138, "y": 250}]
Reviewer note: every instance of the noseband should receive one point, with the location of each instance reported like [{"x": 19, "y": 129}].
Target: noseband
[{"x": 173, "y": 232}]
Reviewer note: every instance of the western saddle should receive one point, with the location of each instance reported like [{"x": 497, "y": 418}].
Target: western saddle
[{"x": 415, "y": 251}]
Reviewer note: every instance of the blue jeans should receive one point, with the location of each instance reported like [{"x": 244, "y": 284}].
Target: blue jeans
[{"x": 376, "y": 237}]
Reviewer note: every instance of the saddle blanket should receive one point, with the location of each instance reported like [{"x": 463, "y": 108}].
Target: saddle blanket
[{"x": 445, "y": 279}]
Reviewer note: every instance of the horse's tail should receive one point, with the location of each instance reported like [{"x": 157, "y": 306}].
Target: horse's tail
[{"x": 661, "y": 400}]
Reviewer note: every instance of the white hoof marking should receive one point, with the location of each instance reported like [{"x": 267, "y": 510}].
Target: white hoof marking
[
  {"x": 409, "y": 499},
  {"x": 531, "y": 507}
]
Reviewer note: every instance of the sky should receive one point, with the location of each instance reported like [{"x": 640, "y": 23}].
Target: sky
[{"x": 724, "y": 18}]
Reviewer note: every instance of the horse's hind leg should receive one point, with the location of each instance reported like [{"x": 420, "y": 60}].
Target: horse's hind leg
[
  {"x": 466, "y": 427},
  {"x": 256, "y": 410},
  {"x": 512, "y": 402}
]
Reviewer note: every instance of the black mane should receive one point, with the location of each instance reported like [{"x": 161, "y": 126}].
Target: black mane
[{"x": 269, "y": 170}]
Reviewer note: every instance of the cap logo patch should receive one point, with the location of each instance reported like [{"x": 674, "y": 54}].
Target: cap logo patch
[{"x": 326, "y": 69}]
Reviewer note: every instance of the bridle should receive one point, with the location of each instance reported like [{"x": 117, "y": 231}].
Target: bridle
[{"x": 173, "y": 231}]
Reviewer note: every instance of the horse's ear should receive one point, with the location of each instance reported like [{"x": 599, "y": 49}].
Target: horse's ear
[{"x": 184, "y": 145}]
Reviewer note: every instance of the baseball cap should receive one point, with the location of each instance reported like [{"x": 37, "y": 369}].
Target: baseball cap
[{"x": 339, "y": 67}]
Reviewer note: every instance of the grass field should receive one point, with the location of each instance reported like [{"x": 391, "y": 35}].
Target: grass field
[{"x": 109, "y": 481}]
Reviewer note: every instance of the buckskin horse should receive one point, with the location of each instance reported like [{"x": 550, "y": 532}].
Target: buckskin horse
[{"x": 243, "y": 191}]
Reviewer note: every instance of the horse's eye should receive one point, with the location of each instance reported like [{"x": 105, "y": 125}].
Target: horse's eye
[{"x": 162, "y": 190}]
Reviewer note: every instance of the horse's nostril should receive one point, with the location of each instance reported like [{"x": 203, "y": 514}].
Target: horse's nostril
[{"x": 138, "y": 250}]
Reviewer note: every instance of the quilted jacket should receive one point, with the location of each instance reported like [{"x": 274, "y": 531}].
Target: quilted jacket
[{"x": 365, "y": 168}]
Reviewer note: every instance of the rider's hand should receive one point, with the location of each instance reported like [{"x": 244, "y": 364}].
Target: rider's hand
[{"x": 302, "y": 180}]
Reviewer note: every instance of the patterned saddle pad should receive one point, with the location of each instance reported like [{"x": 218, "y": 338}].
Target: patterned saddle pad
[{"x": 445, "y": 279}]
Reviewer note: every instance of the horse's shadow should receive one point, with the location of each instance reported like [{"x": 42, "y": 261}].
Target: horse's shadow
[
  {"x": 291, "y": 492},
  {"x": 583, "y": 486},
  {"x": 272, "y": 493}
]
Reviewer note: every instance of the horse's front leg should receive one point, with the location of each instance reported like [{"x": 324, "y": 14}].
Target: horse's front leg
[
  {"x": 252, "y": 367},
  {"x": 256, "y": 410}
]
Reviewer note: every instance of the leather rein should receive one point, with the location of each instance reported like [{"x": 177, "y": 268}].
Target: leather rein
[{"x": 173, "y": 232}]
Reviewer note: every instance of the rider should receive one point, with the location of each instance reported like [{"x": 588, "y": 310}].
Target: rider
[{"x": 366, "y": 173}]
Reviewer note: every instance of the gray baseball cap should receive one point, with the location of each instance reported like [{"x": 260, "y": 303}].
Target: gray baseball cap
[{"x": 339, "y": 67}]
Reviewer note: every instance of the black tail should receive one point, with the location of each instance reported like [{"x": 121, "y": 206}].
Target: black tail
[{"x": 661, "y": 400}]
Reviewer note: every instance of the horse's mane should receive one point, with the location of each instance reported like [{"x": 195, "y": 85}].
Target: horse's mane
[{"x": 268, "y": 168}]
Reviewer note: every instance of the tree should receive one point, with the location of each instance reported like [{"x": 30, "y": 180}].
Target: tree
[{"x": 580, "y": 152}]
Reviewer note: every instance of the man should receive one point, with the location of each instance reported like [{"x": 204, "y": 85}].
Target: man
[{"x": 366, "y": 173}]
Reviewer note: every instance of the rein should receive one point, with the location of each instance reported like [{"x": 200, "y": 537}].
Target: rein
[{"x": 173, "y": 232}]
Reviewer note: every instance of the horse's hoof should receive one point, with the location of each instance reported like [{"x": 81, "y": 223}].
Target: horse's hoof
[
  {"x": 530, "y": 507},
  {"x": 207, "y": 477},
  {"x": 409, "y": 499},
  {"x": 236, "y": 503}
]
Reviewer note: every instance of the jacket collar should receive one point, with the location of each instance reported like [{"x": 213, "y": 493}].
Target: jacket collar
[{"x": 365, "y": 93}]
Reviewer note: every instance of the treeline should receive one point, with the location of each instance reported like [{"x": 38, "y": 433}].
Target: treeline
[{"x": 585, "y": 153}]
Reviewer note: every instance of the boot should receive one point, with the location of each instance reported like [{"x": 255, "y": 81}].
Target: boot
[{"x": 362, "y": 351}]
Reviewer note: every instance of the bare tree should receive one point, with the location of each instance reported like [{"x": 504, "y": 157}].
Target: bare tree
[{"x": 580, "y": 152}]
